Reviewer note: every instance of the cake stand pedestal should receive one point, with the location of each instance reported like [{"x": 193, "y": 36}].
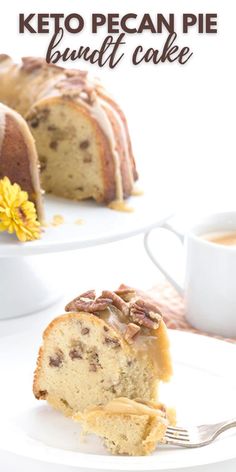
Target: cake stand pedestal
[
  {"x": 30, "y": 275},
  {"x": 28, "y": 283}
]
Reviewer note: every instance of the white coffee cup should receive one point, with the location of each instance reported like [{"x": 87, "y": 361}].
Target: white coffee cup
[{"x": 210, "y": 275}]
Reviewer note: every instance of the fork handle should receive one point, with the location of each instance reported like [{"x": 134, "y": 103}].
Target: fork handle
[{"x": 224, "y": 426}]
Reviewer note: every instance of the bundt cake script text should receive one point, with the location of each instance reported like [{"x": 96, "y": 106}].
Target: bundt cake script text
[{"x": 114, "y": 46}]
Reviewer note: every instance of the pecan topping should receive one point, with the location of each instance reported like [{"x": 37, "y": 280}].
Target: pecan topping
[
  {"x": 76, "y": 85},
  {"x": 143, "y": 316},
  {"x": 29, "y": 64},
  {"x": 91, "y": 294},
  {"x": 75, "y": 72},
  {"x": 89, "y": 306},
  {"x": 131, "y": 331},
  {"x": 148, "y": 305},
  {"x": 138, "y": 311},
  {"x": 125, "y": 293},
  {"x": 117, "y": 301}
]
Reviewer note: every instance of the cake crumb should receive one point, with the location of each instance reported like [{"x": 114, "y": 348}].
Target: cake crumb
[
  {"x": 45, "y": 224},
  {"x": 57, "y": 220},
  {"x": 120, "y": 205},
  {"x": 80, "y": 221},
  {"x": 137, "y": 192}
]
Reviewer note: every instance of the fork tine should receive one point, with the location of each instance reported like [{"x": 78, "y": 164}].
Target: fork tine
[
  {"x": 176, "y": 440},
  {"x": 176, "y": 435},
  {"x": 177, "y": 429}
]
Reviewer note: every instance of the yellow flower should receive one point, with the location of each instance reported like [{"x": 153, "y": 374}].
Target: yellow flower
[{"x": 17, "y": 214}]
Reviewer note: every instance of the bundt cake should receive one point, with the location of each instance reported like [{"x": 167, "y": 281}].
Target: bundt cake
[
  {"x": 105, "y": 347},
  {"x": 81, "y": 134},
  {"x": 18, "y": 155},
  {"x": 127, "y": 426}
]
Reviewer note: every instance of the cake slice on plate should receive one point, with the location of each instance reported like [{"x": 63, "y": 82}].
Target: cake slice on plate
[{"x": 107, "y": 346}]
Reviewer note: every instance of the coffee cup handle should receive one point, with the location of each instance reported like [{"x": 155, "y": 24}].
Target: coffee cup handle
[{"x": 164, "y": 271}]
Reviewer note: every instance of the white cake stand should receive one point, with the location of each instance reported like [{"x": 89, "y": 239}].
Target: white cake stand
[{"x": 30, "y": 276}]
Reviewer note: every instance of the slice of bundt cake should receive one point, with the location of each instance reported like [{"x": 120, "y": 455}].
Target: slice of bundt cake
[
  {"x": 105, "y": 347},
  {"x": 81, "y": 134},
  {"x": 18, "y": 156},
  {"x": 127, "y": 426}
]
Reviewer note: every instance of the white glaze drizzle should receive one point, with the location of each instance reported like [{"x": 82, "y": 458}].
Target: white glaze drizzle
[
  {"x": 123, "y": 135},
  {"x": 99, "y": 114}
]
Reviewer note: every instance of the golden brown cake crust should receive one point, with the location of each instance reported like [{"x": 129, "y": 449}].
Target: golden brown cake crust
[
  {"x": 18, "y": 156},
  {"x": 14, "y": 161}
]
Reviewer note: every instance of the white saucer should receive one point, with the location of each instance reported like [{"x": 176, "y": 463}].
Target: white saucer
[
  {"x": 203, "y": 390},
  {"x": 99, "y": 224}
]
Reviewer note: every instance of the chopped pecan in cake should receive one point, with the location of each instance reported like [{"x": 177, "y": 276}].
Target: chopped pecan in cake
[
  {"x": 75, "y": 353},
  {"x": 85, "y": 331},
  {"x": 113, "y": 342},
  {"x": 57, "y": 359}
]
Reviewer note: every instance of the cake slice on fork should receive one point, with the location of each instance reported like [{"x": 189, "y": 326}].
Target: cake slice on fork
[{"x": 128, "y": 426}]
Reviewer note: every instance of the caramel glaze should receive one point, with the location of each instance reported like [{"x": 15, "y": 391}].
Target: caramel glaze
[
  {"x": 152, "y": 344},
  {"x": 123, "y": 405}
]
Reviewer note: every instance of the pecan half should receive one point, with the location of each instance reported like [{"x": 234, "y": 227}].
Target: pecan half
[
  {"x": 117, "y": 301},
  {"x": 131, "y": 331},
  {"x": 147, "y": 305},
  {"x": 75, "y": 72},
  {"x": 29, "y": 64},
  {"x": 143, "y": 316},
  {"x": 126, "y": 293},
  {"x": 90, "y": 306},
  {"x": 91, "y": 294}
]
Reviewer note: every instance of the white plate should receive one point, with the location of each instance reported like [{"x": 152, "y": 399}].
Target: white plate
[
  {"x": 203, "y": 390},
  {"x": 101, "y": 225}
]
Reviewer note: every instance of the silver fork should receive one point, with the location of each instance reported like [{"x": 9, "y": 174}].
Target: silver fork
[{"x": 196, "y": 436}]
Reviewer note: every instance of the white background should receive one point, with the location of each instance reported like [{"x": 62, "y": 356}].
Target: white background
[{"x": 181, "y": 120}]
